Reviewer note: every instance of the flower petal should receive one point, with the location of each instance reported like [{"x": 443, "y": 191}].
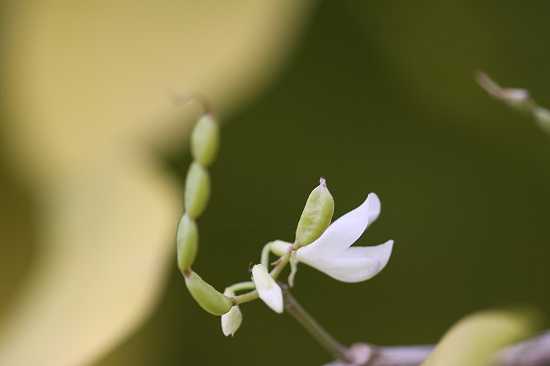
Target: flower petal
[
  {"x": 268, "y": 290},
  {"x": 345, "y": 231},
  {"x": 381, "y": 253},
  {"x": 231, "y": 321},
  {"x": 354, "y": 264}
]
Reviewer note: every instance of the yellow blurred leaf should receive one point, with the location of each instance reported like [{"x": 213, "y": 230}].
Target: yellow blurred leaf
[
  {"x": 90, "y": 86},
  {"x": 474, "y": 340}
]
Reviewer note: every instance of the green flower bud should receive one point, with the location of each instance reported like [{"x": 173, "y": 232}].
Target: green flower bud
[
  {"x": 210, "y": 299},
  {"x": 197, "y": 190},
  {"x": 316, "y": 216},
  {"x": 205, "y": 140},
  {"x": 187, "y": 243}
]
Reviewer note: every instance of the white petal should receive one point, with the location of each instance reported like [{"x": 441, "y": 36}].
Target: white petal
[
  {"x": 380, "y": 253},
  {"x": 268, "y": 290},
  {"x": 231, "y": 321},
  {"x": 355, "y": 264},
  {"x": 345, "y": 231}
]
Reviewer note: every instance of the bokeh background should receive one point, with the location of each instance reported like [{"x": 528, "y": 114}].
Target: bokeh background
[{"x": 375, "y": 97}]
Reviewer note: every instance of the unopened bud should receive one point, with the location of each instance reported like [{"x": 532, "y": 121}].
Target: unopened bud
[
  {"x": 205, "y": 140},
  {"x": 280, "y": 248},
  {"x": 316, "y": 216},
  {"x": 210, "y": 299},
  {"x": 187, "y": 243},
  {"x": 231, "y": 321},
  {"x": 197, "y": 190}
]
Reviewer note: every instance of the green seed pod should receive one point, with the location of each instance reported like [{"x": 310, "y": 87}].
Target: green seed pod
[
  {"x": 197, "y": 190},
  {"x": 210, "y": 299},
  {"x": 205, "y": 140},
  {"x": 316, "y": 216},
  {"x": 187, "y": 243}
]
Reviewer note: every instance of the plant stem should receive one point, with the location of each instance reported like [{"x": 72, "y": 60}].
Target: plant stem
[
  {"x": 298, "y": 312},
  {"x": 240, "y": 286},
  {"x": 247, "y": 297},
  {"x": 327, "y": 341},
  {"x": 531, "y": 352},
  {"x": 281, "y": 264},
  {"x": 265, "y": 255}
]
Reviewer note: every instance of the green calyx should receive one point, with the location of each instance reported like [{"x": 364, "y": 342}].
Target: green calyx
[
  {"x": 210, "y": 299},
  {"x": 316, "y": 215}
]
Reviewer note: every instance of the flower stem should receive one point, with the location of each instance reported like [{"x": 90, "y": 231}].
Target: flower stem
[
  {"x": 247, "y": 297},
  {"x": 240, "y": 286},
  {"x": 327, "y": 341},
  {"x": 293, "y": 307},
  {"x": 265, "y": 255}
]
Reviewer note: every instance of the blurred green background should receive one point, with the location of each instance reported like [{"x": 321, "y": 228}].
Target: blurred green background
[{"x": 375, "y": 97}]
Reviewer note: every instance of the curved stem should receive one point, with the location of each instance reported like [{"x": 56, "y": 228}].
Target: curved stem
[
  {"x": 240, "y": 286},
  {"x": 265, "y": 255},
  {"x": 249, "y": 296},
  {"x": 281, "y": 264},
  {"x": 293, "y": 308},
  {"x": 313, "y": 327}
]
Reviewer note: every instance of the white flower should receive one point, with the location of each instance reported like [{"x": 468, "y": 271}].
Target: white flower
[
  {"x": 332, "y": 253},
  {"x": 231, "y": 321},
  {"x": 268, "y": 290}
]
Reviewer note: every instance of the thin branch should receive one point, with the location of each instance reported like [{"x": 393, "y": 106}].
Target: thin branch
[
  {"x": 532, "y": 352},
  {"x": 320, "y": 334},
  {"x": 516, "y": 98}
]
